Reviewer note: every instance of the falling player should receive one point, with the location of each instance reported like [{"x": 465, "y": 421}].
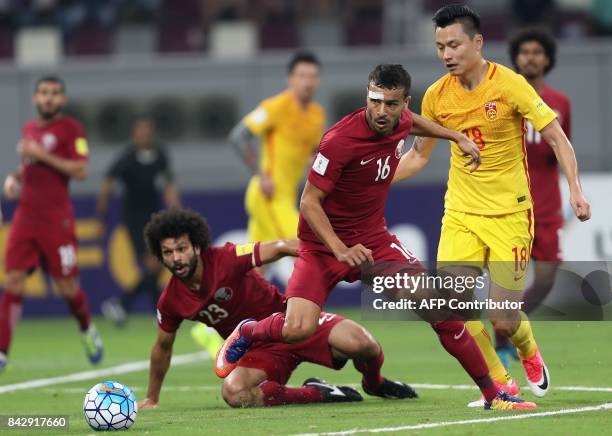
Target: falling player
[
  {"x": 218, "y": 287},
  {"x": 53, "y": 151}
]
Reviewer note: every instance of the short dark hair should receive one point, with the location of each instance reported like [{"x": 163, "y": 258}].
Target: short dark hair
[
  {"x": 390, "y": 76},
  {"x": 53, "y": 79},
  {"x": 173, "y": 223},
  {"x": 302, "y": 56},
  {"x": 451, "y": 14},
  {"x": 542, "y": 37}
]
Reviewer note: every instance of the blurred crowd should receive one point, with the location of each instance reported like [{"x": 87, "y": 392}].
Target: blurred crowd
[{"x": 98, "y": 27}]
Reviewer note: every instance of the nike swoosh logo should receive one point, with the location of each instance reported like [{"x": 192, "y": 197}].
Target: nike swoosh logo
[
  {"x": 516, "y": 279},
  {"x": 363, "y": 162},
  {"x": 334, "y": 389},
  {"x": 544, "y": 384},
  {"x": 458, "y": 336}
]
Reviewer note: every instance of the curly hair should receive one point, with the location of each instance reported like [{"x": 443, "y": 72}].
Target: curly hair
[
  {"x": 542, "y": 37},
  {"x": 173, "y": 223}
]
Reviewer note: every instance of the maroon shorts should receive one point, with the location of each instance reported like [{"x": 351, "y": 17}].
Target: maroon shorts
[
  {"x": 49, "y": 242},
  {"x": 547, "y": 242},
  {"x": 316, "y": 271},
  {"x": 279, "y": 360}
]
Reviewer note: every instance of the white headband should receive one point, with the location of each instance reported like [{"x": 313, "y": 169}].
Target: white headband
[{"x": 376, "y": 95}]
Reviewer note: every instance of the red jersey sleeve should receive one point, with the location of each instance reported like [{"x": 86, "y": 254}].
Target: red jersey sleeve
[
  {"x": 332, "y": 156},
  {"x": 241, "y": 258},
  {"x": 166, "y": 320},
  {"x": 76, "y": 141},
  {"x": 567, "y": 120}
]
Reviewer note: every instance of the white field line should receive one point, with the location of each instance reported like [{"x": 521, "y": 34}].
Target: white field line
[
  {"x": 100, "y": 373},
  {"x": 604, "y": 406},
  {"x": 183, "y": 359}
]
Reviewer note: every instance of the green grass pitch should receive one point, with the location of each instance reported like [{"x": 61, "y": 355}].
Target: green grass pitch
[{"x": 578, "y": 354}]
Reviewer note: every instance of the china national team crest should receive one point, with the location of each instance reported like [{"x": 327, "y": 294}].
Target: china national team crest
[
  {"x": 399, "y": 149},
  {"x": 491, "y": 110},
  {"x": 49, "y": 141},
  {"x": 224, "y": 294}
]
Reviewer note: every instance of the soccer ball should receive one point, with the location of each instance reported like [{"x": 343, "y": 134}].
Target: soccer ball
[{"x": 110, "y": 406}]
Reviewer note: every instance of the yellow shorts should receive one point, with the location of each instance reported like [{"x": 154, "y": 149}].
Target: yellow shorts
[
  {"x": 270, "y": 219},
  {"x": 500, "y": 242}
]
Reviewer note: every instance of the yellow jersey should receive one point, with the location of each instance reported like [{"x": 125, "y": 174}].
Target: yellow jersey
[
  {"x": 289, "y": 136},
  {"x": 492, "y": 115}
]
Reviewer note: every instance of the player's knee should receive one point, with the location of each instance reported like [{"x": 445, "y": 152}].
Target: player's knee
[
  {"x": 362, "y": 344},
  {"x": 67, "y": 288},
  {"x": 236, "y": 393},
  {"x": 506, "y": 327},
  {"x": 295, "y": 331}
]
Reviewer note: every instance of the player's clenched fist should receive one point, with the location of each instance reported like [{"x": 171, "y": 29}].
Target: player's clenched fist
[
  {"x": 581, "y": 207},
  {"x": 355, "y": 255},
  {"x": 11, "y": 187}
]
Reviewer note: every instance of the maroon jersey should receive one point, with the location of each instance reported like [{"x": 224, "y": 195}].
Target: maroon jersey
[
  {"x": 354, "y": 165},
  {"x": 543, "y": 168},
  {"x": 45, "y": 189},
  {"x": 230, "y": 292}
]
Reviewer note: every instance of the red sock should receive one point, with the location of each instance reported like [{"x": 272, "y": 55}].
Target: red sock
[
  {"x": 80, "y": 309},
  {"x": 10, "y": 312},
  {"x": 371, "y": 370},
  {"x": 276, "y": 394},
  {"x": 458, "y": 342},
  {"x": 269, "y": 329}
]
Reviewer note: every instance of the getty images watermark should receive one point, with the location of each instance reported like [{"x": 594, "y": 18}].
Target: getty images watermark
[
  {"x": 409, "y": 283},
  {"x": 399, "y": 291}
]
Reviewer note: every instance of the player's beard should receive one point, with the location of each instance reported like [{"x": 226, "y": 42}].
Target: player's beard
[
  {"x": 191, "y": 267},
  {"x": 48, "y": 114}
]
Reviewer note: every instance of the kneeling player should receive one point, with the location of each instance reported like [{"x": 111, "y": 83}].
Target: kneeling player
[{"x": 216, "y": 286}]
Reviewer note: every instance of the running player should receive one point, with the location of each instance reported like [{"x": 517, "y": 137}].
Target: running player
[
  {"x": 53, "y": 151},
  {"x": 218, "y": 287}
]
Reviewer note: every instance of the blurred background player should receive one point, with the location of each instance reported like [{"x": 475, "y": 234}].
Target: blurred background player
[
  {"x": 533, "y": 53},
  {"x": 53, "y": 151},
  {"x": 217, "y": 286},
  {"x": 488, "y": 219},
  {"x": 144, "y": 171},
  {"x": 289, "y": 125}
]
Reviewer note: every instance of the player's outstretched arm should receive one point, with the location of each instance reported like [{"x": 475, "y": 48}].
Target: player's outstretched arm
[
  {"x": 312, "y": 211},
  {"x": 416, "y": 158},
  {"x": 424, "y": 127},
  {"x": 242, "y": 139},
  {"x": 74, "y": 168},
  {"x": 272, "y": 251},
  {"x": 553, "y": 134},
  {"x": 160, "y": 362}
]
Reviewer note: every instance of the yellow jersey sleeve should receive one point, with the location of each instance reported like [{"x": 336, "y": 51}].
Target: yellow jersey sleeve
[
  {"x": 263, "y": 117},
  {"x": 427, "y": 106},
  {"x": 528, "y": 103}
]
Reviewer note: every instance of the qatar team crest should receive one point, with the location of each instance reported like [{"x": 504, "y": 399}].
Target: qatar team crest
[
  {"x": 224, "y": 294},
  {"x": 399, "y": 149},
  {"x": 490, "y": 109},
  {"x": 49, "y": 141}
]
